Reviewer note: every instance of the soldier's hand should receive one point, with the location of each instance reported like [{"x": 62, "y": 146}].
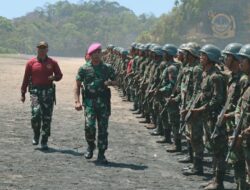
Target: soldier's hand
[
  {"x": 78, "y": 106},
  {"x": 197, "y": 110},
  {"x": 237, "y": 142},
  {"x": 183, "y": 112},
  {"x": 108, "y": 83},
  {"x": 246, "y": 131},
  {"x": 225, "y": 118},
  {"x": 51, "y": 77},
  {"x": 151, "y": 91},
  {"x": 23, "y": 98}
]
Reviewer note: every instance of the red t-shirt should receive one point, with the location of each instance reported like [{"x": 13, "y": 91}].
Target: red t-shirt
[
  {"x": 129, "y": 68},
  {"x": 39, "y": 73}
]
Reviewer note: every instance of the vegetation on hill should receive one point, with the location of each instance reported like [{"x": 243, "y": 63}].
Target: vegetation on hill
[{"x": 70, "y": 28}]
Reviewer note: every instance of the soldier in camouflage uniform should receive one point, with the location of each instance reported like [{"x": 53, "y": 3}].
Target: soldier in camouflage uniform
[
  {"x": 144, "y": 71},
  {"x": 170, "y": 70},
  {"x": 154, "y": 81},
  {"x": 211, "y": 101},
  {"x": 95, "y": 76},
  {"x": 242, "y": 148},
  {"x": 39, "y": 75},
  {"x": 190, "y": 87},
  {"x": 235, "y": 83}
]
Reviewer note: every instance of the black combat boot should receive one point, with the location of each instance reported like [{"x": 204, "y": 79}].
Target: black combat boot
[
  {"x": 159, "y": 127},
  {"x": 141, "y": 116},
  {"x": 196, "y": 170},
  {"x": 166, "y": 138},
  {"x": 44, "y": 143},
  {"x": 36, "y": 138},
  {"x": 217, "y": 184},
  {"x": 101, "y": 159},
  {"x": 176, "y": 148},
  {"x": 157, "y": 131},
  {"x": 138, "y": 111},
  {"x": 147, "y": 119},
  {"x": 189, "y": 157},
  {"x": 88, "y": 154},
  {"x": 133, "y": 109}
]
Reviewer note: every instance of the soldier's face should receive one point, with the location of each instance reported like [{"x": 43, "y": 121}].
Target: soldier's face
[
  {"x": 203, "y": 59},
  {"x": 180, "y": 56},
  {"x": 228, "y": 59},
  {"x": 245, "y": 65},
  {"x": 96, "y": 55},
  {"x": 42, "y": 51}
]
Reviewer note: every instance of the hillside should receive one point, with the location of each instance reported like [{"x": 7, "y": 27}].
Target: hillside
[{"x": 70, "y": 28}]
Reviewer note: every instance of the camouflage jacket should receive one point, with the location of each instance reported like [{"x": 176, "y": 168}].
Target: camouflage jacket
[
  {"x": 236, "y": 84},
  {"x": 213, "y": 92},
  {"x": 93, "y": 78}
]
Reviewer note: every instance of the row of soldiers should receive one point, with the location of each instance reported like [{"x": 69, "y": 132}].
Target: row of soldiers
[{"x": 200, "y": 93}]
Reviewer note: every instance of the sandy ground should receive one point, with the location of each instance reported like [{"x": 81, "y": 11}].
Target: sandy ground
[{"x": 135, "y": 160}]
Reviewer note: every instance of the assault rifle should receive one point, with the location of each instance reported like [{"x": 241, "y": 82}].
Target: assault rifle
[
  {"x": 165, "y": 107},
  {"x": 189, "y": 113},
  {"x": 236, "y": 133},
  {"x": 219, "y": 121}
]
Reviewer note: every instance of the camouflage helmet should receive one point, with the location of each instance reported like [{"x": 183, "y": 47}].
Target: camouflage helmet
[
  {"x": 147, "y": 46},
  {"x": 151, "y": 48},
  {"x": 180, "y": 48},
  {"x": 110, "y": 46},
  {"x": 193, "y": 48},
  {"x": 232, "y": 49},
  {"x": 133, "y": 45},
  {"x": 120, "y": 49},
  {"x": 142, "y": 47},
  {"x": 245, "y": 51},
  {"x": 158, "y": 50},
  {"x": 212, "y": 51},
  {"x": 124, "y": 52},
  {"x": 171, "y": 49},
  {"x": 138, "y": 45}
]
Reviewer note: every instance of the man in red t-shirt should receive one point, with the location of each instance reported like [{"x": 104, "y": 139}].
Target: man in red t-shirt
[{"x": 40, "y": 72}]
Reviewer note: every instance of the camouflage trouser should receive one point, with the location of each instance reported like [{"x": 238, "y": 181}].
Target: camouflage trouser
[
  {"x": 217, "y": 146},
  {"x": 240, "y": 158},
  {"x": 96, "y": 109},
  {"x": 41, "y": 110},
  {"x": 174, "y": 121},
  {"x": 195, "y": 134}
]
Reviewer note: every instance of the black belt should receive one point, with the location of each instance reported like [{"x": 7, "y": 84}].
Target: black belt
[{"x": 41, "y": 87}]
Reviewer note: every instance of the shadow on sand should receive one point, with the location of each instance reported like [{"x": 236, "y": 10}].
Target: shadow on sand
[
  {"x": 121, "y": 165},
  {"x": 62, "y": 151}
]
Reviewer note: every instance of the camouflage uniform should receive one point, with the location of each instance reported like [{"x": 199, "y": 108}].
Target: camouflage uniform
[
  {"x": 96, "y": 101},
  {"x": 190, "y": 87},
  {"x": 42, "y": 101},
  {"x": 242, "y": 152},
  {"x": 212, "y": 98},
  {"x": 40, "y": 72}
]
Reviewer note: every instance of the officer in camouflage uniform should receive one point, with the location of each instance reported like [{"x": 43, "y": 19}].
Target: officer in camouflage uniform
[
  {"x": 39, "y": 75},
  {"x": 242, "y": 148},
  {"x": 95, "y": 76}
]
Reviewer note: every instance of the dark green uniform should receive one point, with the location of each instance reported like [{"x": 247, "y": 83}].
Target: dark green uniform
[{"x": 96, "y": 101}]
